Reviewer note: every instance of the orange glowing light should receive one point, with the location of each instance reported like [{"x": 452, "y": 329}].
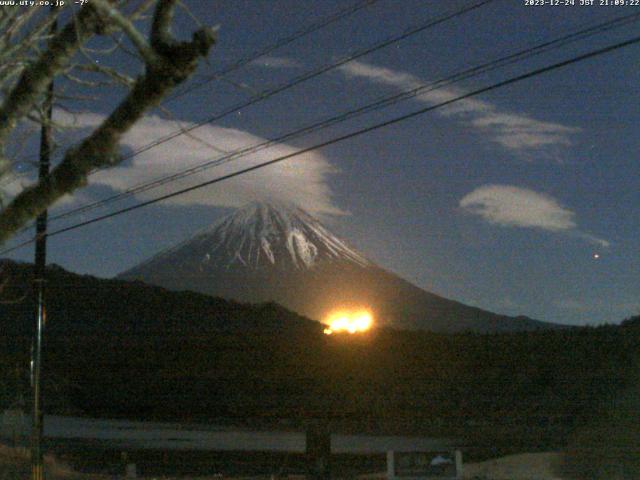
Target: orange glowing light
[{"x": 345, "y": 321}]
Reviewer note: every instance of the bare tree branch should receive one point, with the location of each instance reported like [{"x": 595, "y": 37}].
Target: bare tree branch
[
  {"x": 172, "y": 62},
  {"x": 141, "y": 9},
  {"x": 137, "y": 38},
  {"x": 35, "y": 79},
  {"x": 14, "y": 57},
  {"x": 108, "y": 72}
]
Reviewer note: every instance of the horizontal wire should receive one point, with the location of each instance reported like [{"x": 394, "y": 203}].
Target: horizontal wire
[{"x": 503, "y": 83}]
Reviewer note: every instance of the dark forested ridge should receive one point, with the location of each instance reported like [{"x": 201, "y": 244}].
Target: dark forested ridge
[{"x": 125, "y": 349}]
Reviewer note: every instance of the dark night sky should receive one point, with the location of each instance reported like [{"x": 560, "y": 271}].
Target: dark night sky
[{"x": 503, "y": 200}]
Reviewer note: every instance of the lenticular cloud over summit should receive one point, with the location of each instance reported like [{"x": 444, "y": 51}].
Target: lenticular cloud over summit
[{"x": 302, "y": 180}]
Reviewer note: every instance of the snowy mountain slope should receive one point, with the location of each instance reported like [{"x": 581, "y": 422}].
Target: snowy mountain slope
[
  {"x": 257, "y": 236},
  {"x": 272, "y": 252}
]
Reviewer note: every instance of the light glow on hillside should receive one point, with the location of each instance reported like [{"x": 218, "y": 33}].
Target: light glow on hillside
[{"x": 348, "y": 321}]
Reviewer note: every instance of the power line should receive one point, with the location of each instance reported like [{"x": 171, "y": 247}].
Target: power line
[
  {"x": 384, "y": 102},
  {"x": 313, "y": 27},
  {"x": 300, "y": 79},
  {"x": 296, "y": 81},
  {"x": 275, "y": 46},
  {"x": 265, "y": 94},
  {"x": 503, "y": 83},
  {"x": 307, "y": 76},
  {"x": 271, "y": 92}
]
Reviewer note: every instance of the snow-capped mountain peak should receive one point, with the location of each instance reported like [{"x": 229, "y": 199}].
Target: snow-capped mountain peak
[
  {"x": 263, "y": 235},
  {"x": 271, "y": 252}
]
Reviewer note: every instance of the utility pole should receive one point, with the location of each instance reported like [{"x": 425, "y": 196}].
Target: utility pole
[{"x": 37, "y": 467}]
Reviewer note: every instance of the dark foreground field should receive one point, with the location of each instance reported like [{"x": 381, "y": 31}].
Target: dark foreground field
[{"x": 126, "y": 350}]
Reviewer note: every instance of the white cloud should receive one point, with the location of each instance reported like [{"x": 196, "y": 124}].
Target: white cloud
[
  {"x": 276, "y": 62},
  {"x": 514, "y": 132},
  {"x": 513, "y": 206},
  {"x": 10, "y": 186},
  {"x": 510, "y": 206},
  {"x": 302, "y": 180},
  {"x": 593, "y": 239}
]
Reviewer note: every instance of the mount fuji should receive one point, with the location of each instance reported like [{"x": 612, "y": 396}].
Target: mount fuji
[{"x": 272, "y": 252}]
